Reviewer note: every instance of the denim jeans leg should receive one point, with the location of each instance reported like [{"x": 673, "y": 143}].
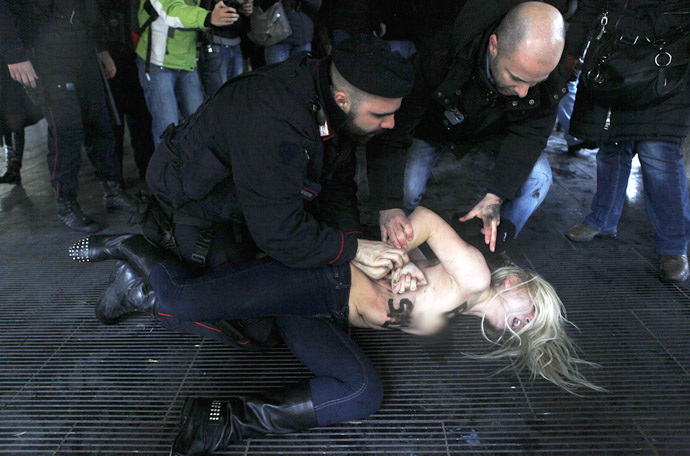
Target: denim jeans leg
[
  {"x": 346, "y": 385},
  {"x": 666, "y": 195},
  {"x": 614, "y": 161},
  {"x": 565, "y": 111},
  {"x": 234, "y": 63},
  {"x": 189, "y": 92},
  {"x": 212, "y": 69},
  {"x": 530, "y": 195},
  {"x": 421, "y": 159},
  {"x": 159, "y": 93}
]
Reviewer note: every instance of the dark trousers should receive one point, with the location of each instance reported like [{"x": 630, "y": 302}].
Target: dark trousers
[
  {"x": 131, "y": 105},
  {"x": 308, "y": 303},
  {"x": 76, "y": 112}
]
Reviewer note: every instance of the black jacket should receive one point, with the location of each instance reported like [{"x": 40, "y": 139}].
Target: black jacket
[
  {"x": 668, "y": 121},
  {"x": 452, "y": 71},
  {"x": 27, "y": 24},
  {"x": 254, "y": 153}
]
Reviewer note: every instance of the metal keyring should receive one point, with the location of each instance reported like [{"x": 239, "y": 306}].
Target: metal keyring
[{"x": 656, "y": 59}]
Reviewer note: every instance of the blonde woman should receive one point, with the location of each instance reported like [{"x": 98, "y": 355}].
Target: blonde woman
[{"x": 421, "y": 297}]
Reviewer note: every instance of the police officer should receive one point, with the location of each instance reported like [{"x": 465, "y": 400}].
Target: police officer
[
  {"x": 267, "y": 165},
  {"x": 52, "y": 49}
]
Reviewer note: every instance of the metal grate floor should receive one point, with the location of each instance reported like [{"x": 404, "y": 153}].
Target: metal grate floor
[{"x": 69, "y": 386}]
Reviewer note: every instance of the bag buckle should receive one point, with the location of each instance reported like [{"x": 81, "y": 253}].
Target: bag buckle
[{"x": 629, "y": 40}]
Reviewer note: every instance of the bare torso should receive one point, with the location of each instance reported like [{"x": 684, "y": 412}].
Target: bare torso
[{"x": 424, "y": 311}]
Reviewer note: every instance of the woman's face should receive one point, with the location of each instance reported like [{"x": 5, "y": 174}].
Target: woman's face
[{"x": 514, "y": 309}]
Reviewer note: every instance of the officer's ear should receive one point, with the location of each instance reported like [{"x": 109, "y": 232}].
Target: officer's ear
[
  {"x": 342, "y": 99},
  {"x": 493, "y": 45}
]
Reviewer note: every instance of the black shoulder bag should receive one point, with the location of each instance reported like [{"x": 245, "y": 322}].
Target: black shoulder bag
[{"x": 634, "y": 72}]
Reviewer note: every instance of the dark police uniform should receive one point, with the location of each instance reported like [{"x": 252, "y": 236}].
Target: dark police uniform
[
  {"x": 256, "y": 159},
  {"x": 56, "y": 36}
]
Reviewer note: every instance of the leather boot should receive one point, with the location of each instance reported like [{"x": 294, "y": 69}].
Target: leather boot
[
  {"x": 209, "y": 425},
  {"x": 133, "y": 248},
  {"x": 114, "y": 197},
  {"x": 126, "y": 293},
  {"x": 72, "y": 216},
  {"x": 14, "y": 151}
]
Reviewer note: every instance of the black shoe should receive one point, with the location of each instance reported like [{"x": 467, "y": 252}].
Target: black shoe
[
  {"x": 133, "y": 248},
  {"x": 674, "y": 268},
  {"x": 14, "y": 152},
  {"x": 72, "y": 216},
  {"x": 126, "y": 293},
  {"x": 575, "y": 148},
  {"x": 209, "y": 425},
  {"x": 114, "y": 198},
  {"x": 11, "y": 176}
]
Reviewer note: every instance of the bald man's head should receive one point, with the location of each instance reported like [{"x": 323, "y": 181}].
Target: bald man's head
[
  {"x": 535, "y": 25},
  {"x": 526, "y": 47}
]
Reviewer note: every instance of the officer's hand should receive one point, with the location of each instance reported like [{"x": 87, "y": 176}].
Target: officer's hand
[
  {"x": 489, "y": 210},
  {"x": 23, "y": 73},
  {"x": 409, "y": 277},
  {"x": 223, "y": 15},
  {"x": 396, "y": 229},
  {"x": 108, "y": 65},
  {"x": 374, "y": 254},
  {"x": 377, "y": 272}
]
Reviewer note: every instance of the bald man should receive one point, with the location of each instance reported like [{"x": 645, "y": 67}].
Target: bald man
[{"x": 493, "y": 84}]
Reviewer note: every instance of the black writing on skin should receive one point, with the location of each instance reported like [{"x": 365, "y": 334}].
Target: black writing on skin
[
  {"x": 455, "y": 312},
  {"x": 399, "y": 313}
]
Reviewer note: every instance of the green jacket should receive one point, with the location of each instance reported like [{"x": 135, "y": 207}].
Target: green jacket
[{"x": 174, "y": 34}]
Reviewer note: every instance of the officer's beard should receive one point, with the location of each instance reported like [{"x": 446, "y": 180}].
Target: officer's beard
[{"x": 356, "y": 133}]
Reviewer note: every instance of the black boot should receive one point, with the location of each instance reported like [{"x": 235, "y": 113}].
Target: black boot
[
  {"x": 126, "y": 293},
  {"x": 114, "y": 197},
  {"x": 14, "y": 152},
  {"x": 71, "y": 215},
  {"x": 209, "y": 425},
  {"x": 133, "y": 248}
]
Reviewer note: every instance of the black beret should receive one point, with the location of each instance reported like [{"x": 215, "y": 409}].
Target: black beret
[{"x": 368, "y": 63}]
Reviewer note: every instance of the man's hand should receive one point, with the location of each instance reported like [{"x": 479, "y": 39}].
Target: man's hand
[
  {"x": 376, "y": 257},
  {"x": 223, "y": 15},
  {"x": 489, "y": 210},
  {"x": 23, "y": 73},
  {"x": 248, "y": 7},
  {"x": 108, "y": 65},
  {"x": 409, "y": 277},
  {"x": 396, "y": 229}
]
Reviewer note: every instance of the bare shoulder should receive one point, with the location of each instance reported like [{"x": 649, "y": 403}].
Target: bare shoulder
[{"x": 424, "y": 311}]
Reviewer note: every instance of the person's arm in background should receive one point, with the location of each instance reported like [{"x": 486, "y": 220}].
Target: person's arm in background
[
  {"x": 12, "y": 48},
  {"x": 178, "y": 14}
]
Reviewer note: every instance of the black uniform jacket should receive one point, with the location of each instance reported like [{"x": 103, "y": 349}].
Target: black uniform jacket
[
  {"x": 646, "y": 19},
  {"x": 256, "y": 153},
  {"x": 451, "y": 72}
]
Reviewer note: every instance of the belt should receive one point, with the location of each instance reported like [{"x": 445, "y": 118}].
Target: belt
[{"x": 221, "y": 41}]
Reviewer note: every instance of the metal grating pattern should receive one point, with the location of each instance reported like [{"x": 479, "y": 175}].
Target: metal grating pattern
[{"x": 70, "y": 386}]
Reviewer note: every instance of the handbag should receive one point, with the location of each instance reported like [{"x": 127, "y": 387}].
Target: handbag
[
  {"x": 269, "y": 27},
  {"x": 636, "y": 72}
]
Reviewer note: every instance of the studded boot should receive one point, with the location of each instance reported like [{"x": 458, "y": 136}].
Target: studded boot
[
  {"x": 133, "y": 248},
  {"x": 126, "y": 293},
  {"x": 115, "y": 198},
  {"x": 209, "y": 425},
  {"x": 14, "y": 151},
  {"x": 71, "y": 215}
]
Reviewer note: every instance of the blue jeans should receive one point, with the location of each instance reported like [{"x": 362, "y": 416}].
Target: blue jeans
[
  {"x": 565, "y": 111},
  {"x": 218, "y": 64},
  {"x": 665, "y": 191},
  {"x": 280, "y": 52},
  {"x": 422, "y": 157},
  {"x": 307, "y": 303},
  {"x": 166, "y": 90}
]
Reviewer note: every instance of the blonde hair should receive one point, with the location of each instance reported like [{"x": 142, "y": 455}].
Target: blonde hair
[{"x": 541, "y": 347}]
